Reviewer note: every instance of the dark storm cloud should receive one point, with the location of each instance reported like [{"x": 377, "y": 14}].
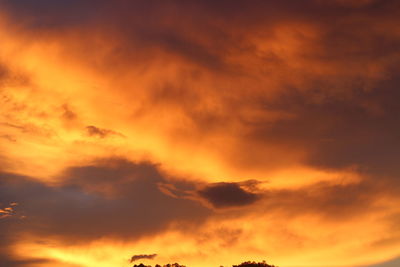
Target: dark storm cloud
[
  {"x": 47, "y": 14},
  {"x": 327, "y": 201},
  {"x": 213, "y": 31},
  {"x": 204, "y": 39},
  {"x": 359, "y": 130},
  {"x": 114, "y": 198},
  {"x": 223, "y": 195}
]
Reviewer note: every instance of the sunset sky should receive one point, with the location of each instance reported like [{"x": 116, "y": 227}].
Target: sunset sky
[{"x": 205, "y": 132}]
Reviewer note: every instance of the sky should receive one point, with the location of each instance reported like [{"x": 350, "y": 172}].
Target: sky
[{"x": 201, "y": 132}]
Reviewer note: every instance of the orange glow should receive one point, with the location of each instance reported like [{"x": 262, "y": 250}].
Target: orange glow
[{"x": 276, "y": 141}]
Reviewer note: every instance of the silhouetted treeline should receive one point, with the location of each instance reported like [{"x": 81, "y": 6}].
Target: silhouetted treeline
[
  {"x": 243, "y": 264},
  {"x": 157, "y": 265},
  {"x": 254, "y": 264}
]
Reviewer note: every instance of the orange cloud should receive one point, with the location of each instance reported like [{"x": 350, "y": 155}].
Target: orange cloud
[{"x": 238, "y": 128}]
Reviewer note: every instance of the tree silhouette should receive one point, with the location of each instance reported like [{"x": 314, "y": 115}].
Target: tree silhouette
[
  {"x": 253, "y": 264},
  {"x": 243, "y": 264},
  {"x": 157, "y": 265}
]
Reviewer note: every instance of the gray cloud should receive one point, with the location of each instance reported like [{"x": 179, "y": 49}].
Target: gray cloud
[
  {"x": 110, "y": 198},
  {"x": 142, "y": 256},
  {"x": 223, "y": 195},
  {"x": 339, "y": 132}
]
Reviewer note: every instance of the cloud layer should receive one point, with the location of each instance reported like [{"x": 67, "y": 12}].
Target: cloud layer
[{"x": 252, "y": 128}]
